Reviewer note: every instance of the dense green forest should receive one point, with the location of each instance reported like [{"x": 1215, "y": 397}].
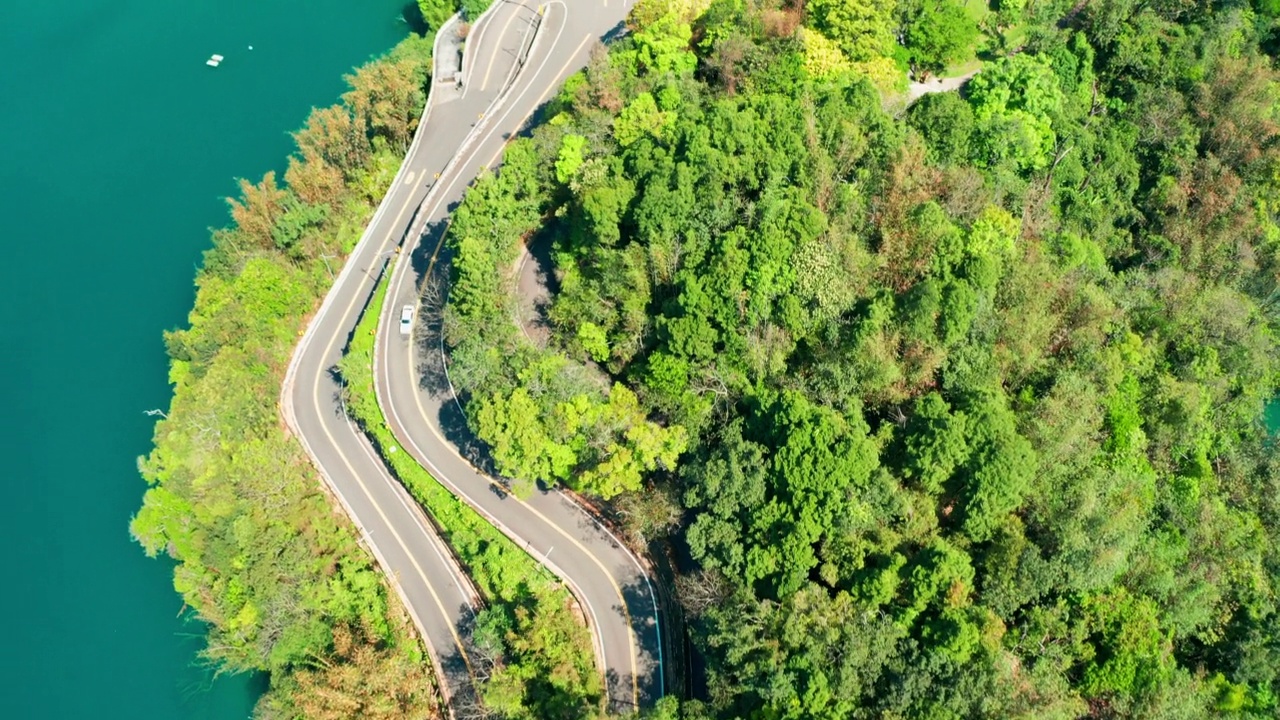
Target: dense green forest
[
  {"x": 263, "y": 556},
  {"x": 943, "y": 411}
]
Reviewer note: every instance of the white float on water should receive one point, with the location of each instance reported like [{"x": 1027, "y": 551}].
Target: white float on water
[{"x": 214, "y": 60}]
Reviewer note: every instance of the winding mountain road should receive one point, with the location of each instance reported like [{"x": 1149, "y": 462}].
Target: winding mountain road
[{"x": 517, "y": 55}]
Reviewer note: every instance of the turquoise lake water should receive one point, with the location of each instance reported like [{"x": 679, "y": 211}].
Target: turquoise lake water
[{"x": 117, "y": 145}]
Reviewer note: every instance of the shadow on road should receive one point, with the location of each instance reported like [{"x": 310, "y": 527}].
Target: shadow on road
[
  {"x": 644, "y": 624},
  {"x": 433, "y": 375}
]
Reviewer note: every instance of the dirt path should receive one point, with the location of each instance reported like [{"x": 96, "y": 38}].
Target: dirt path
[
  {"x": 533, "y": 290},
  {"x": 917, "y": 90}
]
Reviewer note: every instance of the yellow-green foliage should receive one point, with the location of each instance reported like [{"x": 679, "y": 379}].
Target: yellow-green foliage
[
  {"x": 640, "y": 118},
  {"x": 883, "y": 73},
  {"x": 646, "y": 12},
  {"x": 823, "y": 58},
  {"x": 863, "y": 28}
]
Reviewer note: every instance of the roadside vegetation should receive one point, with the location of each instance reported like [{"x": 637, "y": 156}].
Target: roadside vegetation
[
  {"x": 436, "y": 12},
  {"x": 263, "y": 556},
  {"x": 955, "y": 413},
  {"x": 530, "y": 649}
]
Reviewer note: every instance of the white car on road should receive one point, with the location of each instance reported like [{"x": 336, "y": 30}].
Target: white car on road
[{"x": 406, "y": 319}]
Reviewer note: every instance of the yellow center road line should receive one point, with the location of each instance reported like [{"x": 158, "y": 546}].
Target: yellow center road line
[
  {"x": 315, "y": 397},
  {"x": 493, "y": 57},
  {"x": 631, "y": 639},
  {"x": 436, "y": 543},
  {"x": 457, "y": 640}
]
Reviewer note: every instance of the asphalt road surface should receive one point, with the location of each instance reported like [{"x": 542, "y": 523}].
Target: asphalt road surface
[{"x": 518, "y": 55}]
